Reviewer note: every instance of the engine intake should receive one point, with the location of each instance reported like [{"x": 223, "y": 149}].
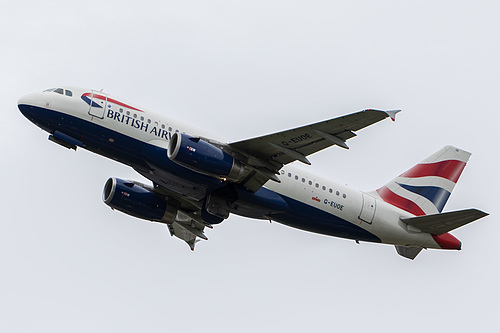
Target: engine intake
[
  {"x": 203, "y": 157},
  {"x": 137, "y": 200}
]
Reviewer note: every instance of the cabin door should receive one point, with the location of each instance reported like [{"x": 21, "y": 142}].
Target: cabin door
[{"x": 98, "y": 102}]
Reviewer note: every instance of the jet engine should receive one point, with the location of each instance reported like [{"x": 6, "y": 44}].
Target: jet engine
[
  {"x": 138, "y": 200},
  {"x": 203, "y": 157}
]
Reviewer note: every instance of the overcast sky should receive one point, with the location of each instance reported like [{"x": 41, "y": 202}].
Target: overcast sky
[{"x": 241, "y": 69}]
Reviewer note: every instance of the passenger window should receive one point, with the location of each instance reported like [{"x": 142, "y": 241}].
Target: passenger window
[
  {"x": 337, "y": 193},
  {"x": 128, "y": 113},
  {"x": 170, "y": 129},
  {"x": 289, "y": 174},
  {"x": 330, "y": 190},
  {"x": 69, "y": 93},
  {"x": 303, "y": 180},
  {"x": 149, "y": 121},
  {"x": 344, "y": 196},
  {"x": 296, "y": 177},
  {"x": 310, "y": 182},
  {"x": 317, "y": 185},
  {"x": 324, "y": 188},
  {"x": 59, "y": 91},
  {"x": 135, "y": 115},
  {"x": 142, "y": 118},
  {"x": 163, "y": 126},
  {"x": 121, "y": 110}
]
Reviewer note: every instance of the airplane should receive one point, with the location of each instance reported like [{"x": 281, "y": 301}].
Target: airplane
[{"x": 197, "y": 181}]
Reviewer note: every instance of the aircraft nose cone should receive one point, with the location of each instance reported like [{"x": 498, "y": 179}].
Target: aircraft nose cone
[
  {"x": 29, "y": 99},
  {"x": 27, "y": 105},
  {"x": 448, "y": 242}
]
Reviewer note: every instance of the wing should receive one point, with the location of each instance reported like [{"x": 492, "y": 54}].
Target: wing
[{"x": 268, "y": 153}]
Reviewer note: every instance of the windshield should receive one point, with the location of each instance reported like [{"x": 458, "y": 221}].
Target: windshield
[{"x": 60, "y": 91}]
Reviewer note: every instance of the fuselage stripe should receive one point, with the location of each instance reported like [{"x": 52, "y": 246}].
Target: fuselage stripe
[{"x": 111, "y": 100}]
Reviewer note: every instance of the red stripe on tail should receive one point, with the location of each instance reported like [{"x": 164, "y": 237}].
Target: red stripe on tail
[
  {"x": 400, "y": 202},
  {"x": 451, "y": 170}
]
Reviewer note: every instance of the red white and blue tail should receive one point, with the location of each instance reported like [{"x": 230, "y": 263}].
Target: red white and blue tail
[{"x": 425, "y": 188}]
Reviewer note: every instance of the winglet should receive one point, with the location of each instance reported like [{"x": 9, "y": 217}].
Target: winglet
[{"x": 392, "y": 114}]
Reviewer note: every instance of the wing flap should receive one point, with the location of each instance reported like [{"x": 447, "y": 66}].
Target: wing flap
[{"x": 439, "y": 224}]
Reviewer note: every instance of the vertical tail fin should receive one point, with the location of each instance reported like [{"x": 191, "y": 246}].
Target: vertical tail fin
[{"x": 425, "y": 188}]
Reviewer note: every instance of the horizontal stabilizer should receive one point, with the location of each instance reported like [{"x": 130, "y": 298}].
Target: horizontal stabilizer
[
  {"x": 409, "y": 252},
  {"x": 438, "y": 224}
]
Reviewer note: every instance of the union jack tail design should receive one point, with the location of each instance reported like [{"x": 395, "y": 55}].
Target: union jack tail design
[{"x": 425, "y": 188}]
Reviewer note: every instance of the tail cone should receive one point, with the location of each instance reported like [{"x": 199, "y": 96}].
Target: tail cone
[{"x": 447, "y": 242}]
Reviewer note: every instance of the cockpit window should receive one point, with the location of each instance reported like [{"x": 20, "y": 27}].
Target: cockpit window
[{"x": 60, "y": 91}]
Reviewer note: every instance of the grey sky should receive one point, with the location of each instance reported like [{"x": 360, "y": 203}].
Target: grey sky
[{"x": 242, "y": 69}]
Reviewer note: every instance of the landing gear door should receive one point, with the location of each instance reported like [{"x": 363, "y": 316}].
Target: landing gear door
[
  {"x": 98, "y": 102},
  {"x": 367, "y": 209}
]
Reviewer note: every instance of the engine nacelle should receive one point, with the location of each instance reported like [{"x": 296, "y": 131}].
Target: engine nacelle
[
  {"x": 137, "y": 200},
  {"x": 203, "y": 157}
]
